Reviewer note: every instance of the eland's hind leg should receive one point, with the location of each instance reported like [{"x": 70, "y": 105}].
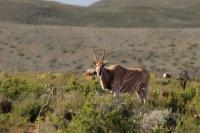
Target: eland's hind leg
[
  {"x": 142, "y": 95},
  {"x": 115, "y": 97},
  {"x": 145, "y": 92}
]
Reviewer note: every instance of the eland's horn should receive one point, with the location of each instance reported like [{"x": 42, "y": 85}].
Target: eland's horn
[
  {"x": 103, "y": 55},
  {"x": 95, "y": 57}
]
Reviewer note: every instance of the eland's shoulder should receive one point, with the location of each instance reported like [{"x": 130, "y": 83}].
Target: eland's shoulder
[
  {"x": 114, "y": 67},
  {"x": 140, "y": 69}
]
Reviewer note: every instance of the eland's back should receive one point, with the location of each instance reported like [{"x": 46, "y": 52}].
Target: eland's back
[{"x": 127, "y": 80}]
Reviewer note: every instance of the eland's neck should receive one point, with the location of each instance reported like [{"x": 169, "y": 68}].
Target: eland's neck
[{"x": 105, "y": 79}]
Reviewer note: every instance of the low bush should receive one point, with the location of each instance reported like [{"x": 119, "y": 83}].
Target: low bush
[
  {"x": 100, "y": 117},
  {"x": 31, "y": 111},
  {"x": 78, "y": 105},
  {"x": 12, "y": 88},
  {"x": 73, "y": 83},
  {"x": 187, "y": 124},
  {"x": 159, "y": 121},
  {"x": 179, "y": 99},
  {"x": 5, "y": 106}
]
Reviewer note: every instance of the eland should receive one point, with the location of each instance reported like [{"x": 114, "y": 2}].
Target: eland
[{"x": 118, "y": 79}]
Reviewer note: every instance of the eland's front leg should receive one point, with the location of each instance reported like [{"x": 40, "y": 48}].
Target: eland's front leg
[
  {"x": 142, "y": 95},
  {"x": 115, "y": 97}
]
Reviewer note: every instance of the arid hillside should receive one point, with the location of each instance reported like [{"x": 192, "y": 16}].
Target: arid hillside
[
  {"x": 146, "y": 3},
  {"x": 64, "y": 48},
  {"x": 106, "y": 13}
]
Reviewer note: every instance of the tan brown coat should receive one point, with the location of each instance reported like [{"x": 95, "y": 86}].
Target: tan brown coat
[{"x": 119, "y": 79}]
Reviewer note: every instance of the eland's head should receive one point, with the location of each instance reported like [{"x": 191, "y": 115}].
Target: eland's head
[{"x": 99, "y": 63}]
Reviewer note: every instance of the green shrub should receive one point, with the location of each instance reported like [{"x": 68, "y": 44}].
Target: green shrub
[
  {"x": 179, "y": 99},
  {"x": 164, "y": 82},
  {"x": 73, "y": 83},
  {"x": 82, "y": 106},
  {"x": 188, "y": 95},
  {"x": 4, "y": 125},
  {"x": 123, "y": 119},
  {"x": 13, "y": 88},
  {"x": 187, "y": 124},
  {"x": 76, "y": 83},
  {"x": 97, "y": 117},
  {"x": 30, "y": 112},
  {"x": 38, "y": 90},
  {"x": 5, "y": 106},
  {"x": 94, "y": 87},
  {"x": 173, "y": 102}
]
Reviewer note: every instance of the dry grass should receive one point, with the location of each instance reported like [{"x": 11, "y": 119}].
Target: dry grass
[{"x": 65, "y": 48}]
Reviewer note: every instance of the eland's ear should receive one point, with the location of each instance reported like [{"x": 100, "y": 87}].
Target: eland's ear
[
  {"x": 105, "y": 62},
  {"x": 94, "y": 63}
]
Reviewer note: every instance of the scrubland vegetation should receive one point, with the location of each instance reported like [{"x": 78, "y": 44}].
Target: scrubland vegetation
[
  {"x": 66, "y": 102},
  {"x": 39, "y": 36}
]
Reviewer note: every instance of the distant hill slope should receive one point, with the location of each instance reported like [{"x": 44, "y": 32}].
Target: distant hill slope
[
  {"x": 154, "y": 13},
  {"x": 106, "y": 13},
  {"x": 116, "y": 4},
  {"x": 40, "y": 12}
]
